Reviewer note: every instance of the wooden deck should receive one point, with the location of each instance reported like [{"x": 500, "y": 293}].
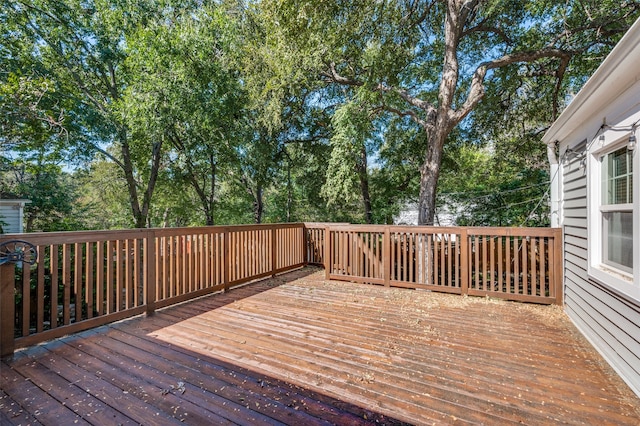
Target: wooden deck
[{"x": 299, "y": 350}]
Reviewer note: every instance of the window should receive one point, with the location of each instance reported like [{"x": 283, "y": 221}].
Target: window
[
  {"x": 613, "y": 210},
  {"x": 617, "y": 209}
]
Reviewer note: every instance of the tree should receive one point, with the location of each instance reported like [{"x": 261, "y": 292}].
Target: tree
[
  {"x": 52, "y": 193},
  {"x": 82, "y": 46},
  {"x": 347, "y": 171},
  {"x": 432, "y": 61},
  {"x": 183, "y": 90},
  {"x": 499, "y": 188}
]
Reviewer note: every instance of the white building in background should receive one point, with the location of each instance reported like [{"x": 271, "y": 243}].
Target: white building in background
[
  {"x": 11, "y": 216},
  {"x": 409, "y": 216}
]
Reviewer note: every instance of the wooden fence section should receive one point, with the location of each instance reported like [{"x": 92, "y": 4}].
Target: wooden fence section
[
  {"x": 516, "y": 263},
  {"x": 521, "y": 264},
  {"x": 86, "y": 279}
]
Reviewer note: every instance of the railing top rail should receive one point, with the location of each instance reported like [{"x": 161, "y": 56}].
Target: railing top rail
[
  {"x": 515, "y": 232},
  {"x": 476, "y": 230},
  {"x": 70, "y": 237},
  {"x": 397, "y": 228},
  {"x": 427, "y": 229}
]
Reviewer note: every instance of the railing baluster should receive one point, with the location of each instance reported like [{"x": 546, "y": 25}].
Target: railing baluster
[
  {"x": 40, "y": 289},
  {"x": 89, "y": 287},
  {"x": 525, "y": 279},
  {"x": 128, "y": 274},
  {"x": 26, "y": 298},
  {"x": 78, "y": 281},
  {"x": 66, "y": 274},
  {"x": 53, "y": 266},
  {"x": 507, "y": 263},
  {"x": 134, "y": 253},
  {"x": 7, "y": 309},
  {"x": 532, "y": 266}
]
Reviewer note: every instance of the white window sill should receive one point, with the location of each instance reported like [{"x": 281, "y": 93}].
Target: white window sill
[{"x": 619, "y": 282}]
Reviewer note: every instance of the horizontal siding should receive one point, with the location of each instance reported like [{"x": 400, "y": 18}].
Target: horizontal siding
[
  {"x": 575, "y": 194},
  {"x": 589, "y": 307},
  {"x": 577, "y": 213},
  {"x": 577, "y": 231},
  {"x": 573, "y": 263},
  {"x": 576, "y": 203},
  {"x": 609, "y": 321},
  {"x": 11, "y": 217},
  {"x": 575, "y": 248},
  {"x": 576, "y": 183}
]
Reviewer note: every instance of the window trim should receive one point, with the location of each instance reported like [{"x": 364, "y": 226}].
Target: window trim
[{"x": 619, "y": 280}]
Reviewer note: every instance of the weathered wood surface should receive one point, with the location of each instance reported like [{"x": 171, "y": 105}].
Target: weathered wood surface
[{"x": 299, "y": 350}]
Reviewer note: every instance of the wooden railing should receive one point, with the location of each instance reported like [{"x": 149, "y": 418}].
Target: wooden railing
[
  {"x": 521, "y": 264},
  {"x": 86, "y": 279}
]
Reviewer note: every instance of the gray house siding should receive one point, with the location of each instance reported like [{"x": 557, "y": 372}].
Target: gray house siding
[{"x": 609, "y": 320}]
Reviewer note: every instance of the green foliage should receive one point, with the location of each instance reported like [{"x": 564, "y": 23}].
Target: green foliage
[
  {"x": 52, "y": 193},
  {"x": 183, "y": 91},
  {"x": 498, "y": 189},
  {"x": 389, "y": 56},
  {"x": 351, "y": 128},
  {"x": 191, "y": 112}
]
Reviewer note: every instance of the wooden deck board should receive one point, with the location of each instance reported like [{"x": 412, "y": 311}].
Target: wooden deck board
[{"x": 299, "y": 350}]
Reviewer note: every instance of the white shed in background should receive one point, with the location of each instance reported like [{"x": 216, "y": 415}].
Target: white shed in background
[
  {"x": 597, "y": 203},
  {"x": 11, "y": 216}
]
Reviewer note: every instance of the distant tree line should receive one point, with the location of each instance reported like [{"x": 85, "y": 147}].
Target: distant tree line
[{"x": 151, "y": 113}]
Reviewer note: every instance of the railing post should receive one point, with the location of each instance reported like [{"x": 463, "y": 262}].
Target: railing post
[
  {"x": 7, "y": 309},
  {"x": 327, "y": 252},
  {"x": 386, "y": 257},
  {"x": 274, "y": 247},
  {"x": 464, "y": 261},
  {"x": 305, "y": 245},
  {"x": 558, "y": 281},
  {"x": 151, "y": 262},
  {"x": 226, "y": 259}
]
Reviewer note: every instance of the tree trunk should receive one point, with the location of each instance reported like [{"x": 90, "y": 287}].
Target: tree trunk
[
  {"x": 443, "y": 122},
  {"x": 212, "y": 193},
  {"x": 364, "y": 185},
  {"x": 127, "y": 168},
  {"x": 429, "y": 174},
  {"x": 258, "y": 205},
  {"x": 29, "y": 224},
  {"x": 289, "y": 191},
  {"x": 151, "y": 184},
  {"x": 140, "y": 213}
]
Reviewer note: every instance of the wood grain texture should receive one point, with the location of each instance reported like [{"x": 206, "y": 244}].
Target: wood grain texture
[{"x": 297, "y": 349}]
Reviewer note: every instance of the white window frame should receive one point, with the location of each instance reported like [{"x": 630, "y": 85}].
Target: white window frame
[{"x": 627, "y": 282}]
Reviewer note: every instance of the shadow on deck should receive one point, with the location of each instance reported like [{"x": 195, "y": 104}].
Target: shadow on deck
[{"x": 299, "y": 350}]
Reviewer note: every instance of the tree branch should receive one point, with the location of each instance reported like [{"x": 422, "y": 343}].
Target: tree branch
[
  {"x": 564, "y": 63},
  {"x": 109, "y": 156},
  {"x": 476, "y": 91},
  {"x": 333, "y": 75},
  {"x": 404, "y": 113},
  {"x": 483, "y": 28}
]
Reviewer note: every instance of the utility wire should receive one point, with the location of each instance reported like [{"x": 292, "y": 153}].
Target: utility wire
[{"x": 586, "y": 151}]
